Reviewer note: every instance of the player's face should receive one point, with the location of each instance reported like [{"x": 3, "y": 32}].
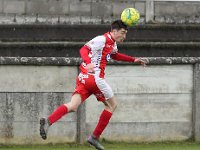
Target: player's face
[{"x": 120, "y": 35}]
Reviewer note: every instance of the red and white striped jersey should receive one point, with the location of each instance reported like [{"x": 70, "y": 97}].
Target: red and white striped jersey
[{"x": 100, "y": 50}]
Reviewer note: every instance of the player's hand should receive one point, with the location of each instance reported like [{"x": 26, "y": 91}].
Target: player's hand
[
  {"x": 90, "y": 67},
  {"x": 142, "y": 61}
]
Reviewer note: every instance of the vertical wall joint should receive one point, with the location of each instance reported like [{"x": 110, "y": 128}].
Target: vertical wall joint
[
  {"x": 149, "y": 11},
  {"x": 196, "y": 102}
]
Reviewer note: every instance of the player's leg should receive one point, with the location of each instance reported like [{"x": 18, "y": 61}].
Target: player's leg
[
  {"x": 72, "y": 106},
  {"x": 110, "y": 106},
  {"x": 62, "y": 110},
  {"x": 104, "y": 94},
  {"x": 79, "y": 95}
]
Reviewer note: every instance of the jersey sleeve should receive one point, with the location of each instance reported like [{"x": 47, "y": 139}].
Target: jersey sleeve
[
  {"x": 122, "y": 57},
  {"x": 85, "y": 52},
  {"x": 96, "y": 43}
]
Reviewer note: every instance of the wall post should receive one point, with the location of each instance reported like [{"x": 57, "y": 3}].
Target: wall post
[
  {"x": 81, "y": 122},
  {"x": 149, "y": 11},
  {"x": 196, "y": 102}
]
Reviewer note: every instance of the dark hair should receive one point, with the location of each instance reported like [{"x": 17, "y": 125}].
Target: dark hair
[{"x": 118, "y": 24}]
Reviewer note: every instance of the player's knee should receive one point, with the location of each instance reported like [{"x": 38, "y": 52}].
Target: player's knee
[
  {"x": 71, "y": 107},
  {"x": 114, "y": 106},
  {"x": 74, "y": 108}
]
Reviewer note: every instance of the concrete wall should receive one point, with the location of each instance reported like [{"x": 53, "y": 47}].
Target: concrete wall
[
  {"x": 96, "y": 11},
  {"x": 156, "y": 103},
  {"x": 30, "y": 92},
  {"x": 182, "y": 12}
]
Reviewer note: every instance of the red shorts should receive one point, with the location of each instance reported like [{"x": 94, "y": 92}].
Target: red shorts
[{"x": 88, "y": 84}]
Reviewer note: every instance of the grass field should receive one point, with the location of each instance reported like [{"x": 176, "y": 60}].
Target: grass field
[{"x": 110, "y": 146}]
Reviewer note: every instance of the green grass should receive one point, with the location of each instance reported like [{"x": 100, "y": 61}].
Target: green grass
[{"x": 110, "y": 146}]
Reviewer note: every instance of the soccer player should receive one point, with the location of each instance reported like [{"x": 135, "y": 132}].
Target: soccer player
[{"x": 95, "y": 55}]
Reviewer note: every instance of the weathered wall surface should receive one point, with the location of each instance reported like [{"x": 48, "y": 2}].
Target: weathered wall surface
[
  {"x": 96, "y": 11},
  {"x": 37, "y": 78},
  {"x": 154, "y": 103},
  {"x": 29, "y": 92}
]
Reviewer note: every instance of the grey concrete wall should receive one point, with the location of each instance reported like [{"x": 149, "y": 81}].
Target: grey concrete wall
[
  {"x": 177, "y": 12},
  {"x": 37, "y": 79},
  {"x": 154, "y": 103},
  {"x": 96, "y": 11},
  {"x": 20, "y": 114},
  {"x": 30, "y": 92}
]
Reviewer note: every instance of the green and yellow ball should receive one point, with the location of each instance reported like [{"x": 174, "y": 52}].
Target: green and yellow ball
[{"x": 130, "y": 16}]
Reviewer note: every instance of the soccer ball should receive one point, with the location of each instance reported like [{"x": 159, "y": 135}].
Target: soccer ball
[{"x": 130, "y": 16}]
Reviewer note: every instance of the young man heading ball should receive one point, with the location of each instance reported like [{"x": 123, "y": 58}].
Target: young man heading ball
[{"x": 95, "y": 55}]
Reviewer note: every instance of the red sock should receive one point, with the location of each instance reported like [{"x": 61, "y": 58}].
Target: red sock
[
  {"x": 103, "y": 122},
  {"x": 58, "y": 113}
]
